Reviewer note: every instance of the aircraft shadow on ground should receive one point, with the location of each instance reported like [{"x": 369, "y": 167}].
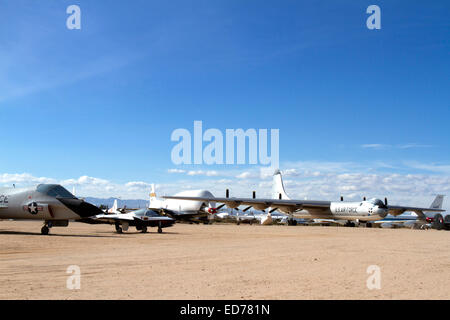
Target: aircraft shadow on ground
[
  {"x": 138, "y": 232},
  {"x": 5, "y": 232}
]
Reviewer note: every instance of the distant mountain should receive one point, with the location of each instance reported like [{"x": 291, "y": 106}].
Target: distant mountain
[{"x": 131, "y": 204}]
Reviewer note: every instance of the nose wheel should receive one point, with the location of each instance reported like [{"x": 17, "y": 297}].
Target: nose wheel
[{"x": 45, "y": 230}]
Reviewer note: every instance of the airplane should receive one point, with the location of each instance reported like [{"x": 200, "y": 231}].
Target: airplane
[
  {"x": 412, "y": 220},
  {"x": 115, "y": 209},
  {"x": 141, "y": 219},
  {"x": 184, "y": 210},
  {"x": 51, "y": 203},
  {"x": 352, "y": 212},
  {"x": 254, "y": 216}
]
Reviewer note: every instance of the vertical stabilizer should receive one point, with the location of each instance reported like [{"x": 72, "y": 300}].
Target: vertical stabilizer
[
  {"x": 278, "y": 186},
  {"x": 115, "y": 206},
  {"x": 437, "y": 203},
  {"x": 152, "y": 193},
  {"x": 154, "y": 202}
]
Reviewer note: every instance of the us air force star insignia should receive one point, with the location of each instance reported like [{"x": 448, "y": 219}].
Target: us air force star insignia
[{"x": 33, "y": 208}]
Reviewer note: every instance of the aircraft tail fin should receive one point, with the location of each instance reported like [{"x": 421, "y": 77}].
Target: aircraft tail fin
[
  {"x": 152, "y": 193},
  {"x": 437, "y": 203},
  {"x": 154, "y": 202},
  {"x": 115, "y": 206},
  {"x": 278, "y": 186}
]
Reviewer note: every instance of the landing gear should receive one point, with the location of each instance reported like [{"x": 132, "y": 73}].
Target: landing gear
[
  {"x": 45, "y": 230},
  {"x": 350, "y": 224},
  {"x": 118, "y": 228},
  {"x": 438, "y": 222},
  {"x": 144, "y": 229},
  {"x": 292, "y": 222},
  {"x": 159, "y": 227}
]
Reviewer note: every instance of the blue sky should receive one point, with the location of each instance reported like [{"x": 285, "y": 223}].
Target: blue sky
[{"x": 102, "y": 102}]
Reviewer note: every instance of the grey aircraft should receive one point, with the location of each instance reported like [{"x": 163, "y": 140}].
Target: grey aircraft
[{"x": 50, "y": 203}]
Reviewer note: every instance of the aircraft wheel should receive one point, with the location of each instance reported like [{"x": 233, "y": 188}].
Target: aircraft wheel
[
  {"x": 144, "y": 229},
  {"x": 45, "y": 230},
  {"x": 159, "y": 230},
  {"x": 438, "y": 222}
]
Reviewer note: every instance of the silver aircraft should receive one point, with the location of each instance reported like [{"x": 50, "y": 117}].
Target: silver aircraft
[
  {"x": 51, "y": 203},
  {"x": 140, "y": 219},
  {"x": 352, "y": 212}
]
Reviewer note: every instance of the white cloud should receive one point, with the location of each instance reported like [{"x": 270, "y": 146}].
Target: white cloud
[
  {"x": 375, "y": 146},
  {"x": 210, "y": 173},
  {"x": 176, "y": 171},
  {"x": 414, "y": 145},
  {"x": 379, "y": 146}
]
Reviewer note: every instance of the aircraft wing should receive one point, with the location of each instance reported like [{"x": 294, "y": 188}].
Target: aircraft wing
[
  {"x": 397, "y": 210},
  {"x": 113, "y": 217},
  {"x": 261, "y": 204}
]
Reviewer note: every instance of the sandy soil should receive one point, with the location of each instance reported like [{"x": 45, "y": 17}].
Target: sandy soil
[{"x": 223, "y": 262}]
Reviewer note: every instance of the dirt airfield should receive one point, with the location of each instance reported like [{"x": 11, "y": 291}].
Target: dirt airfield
[{"x": 223, "y": 262}]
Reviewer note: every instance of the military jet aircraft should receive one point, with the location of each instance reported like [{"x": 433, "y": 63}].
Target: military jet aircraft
[
  {"x": 141, "y": 219},
  {"x": 51, "y": 203}
]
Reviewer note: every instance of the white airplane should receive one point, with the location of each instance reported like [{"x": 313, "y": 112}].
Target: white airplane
[
  {"x": 260, "y": 217},
  {"x": 192, "y": 211},
  {"x": 352, "y": 212},
  {"x": 140, "y": 219},
  {"x": 115, "y": 209}
]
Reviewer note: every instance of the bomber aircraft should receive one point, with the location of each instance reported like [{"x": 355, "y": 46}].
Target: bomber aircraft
[
  {"x": 51, "y": 203},
  {"x": 360, "y": 211},
  {"x": 183, "y": 210}
]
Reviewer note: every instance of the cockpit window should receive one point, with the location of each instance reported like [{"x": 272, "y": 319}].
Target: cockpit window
[
  {"x": 147, "y": 213},
  {"x": 140, "y": 212},
  {"x": 377, "y": 202},
  {"x": 55, "y": 190},
  {"x": 151, "y": 213}
]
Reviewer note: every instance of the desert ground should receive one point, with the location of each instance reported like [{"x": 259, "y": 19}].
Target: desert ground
[{"x": 222, "y": 262}]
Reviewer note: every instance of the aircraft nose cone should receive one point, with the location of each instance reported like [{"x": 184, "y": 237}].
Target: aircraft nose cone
[{"x": 80, "y": 207}]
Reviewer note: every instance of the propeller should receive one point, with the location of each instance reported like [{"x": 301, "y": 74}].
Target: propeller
[
  {"x": 254, "y": 194},
  {"x": 279, "y": 196},
  {"x": 212, "y": 210},
  {"x": 342, "y": 198},
  {"x": 364, "y": 198},
  {"x": 385, "y": 202},
  {"x": 227, "y": 193}
]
